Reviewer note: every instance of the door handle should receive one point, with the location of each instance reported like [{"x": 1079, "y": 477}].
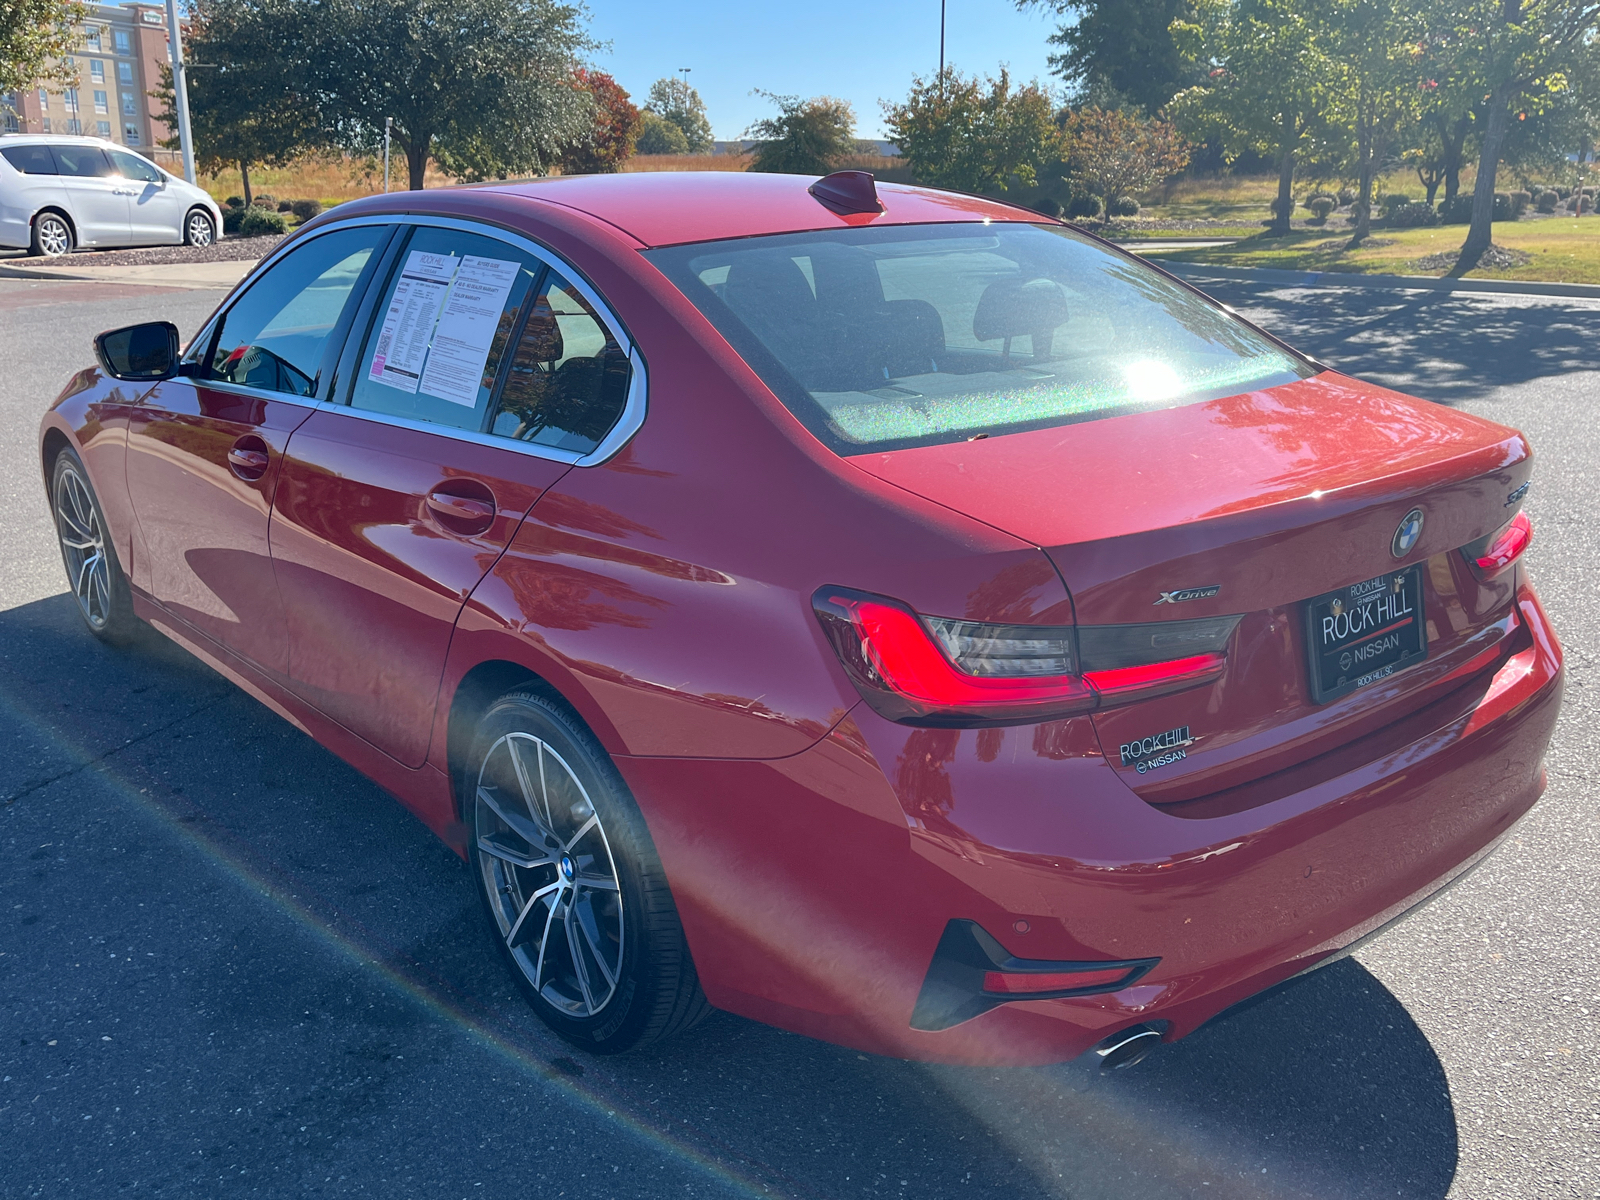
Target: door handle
[
  {"x": 247, "y": 463},
  {"x": 461, "y": 508}
]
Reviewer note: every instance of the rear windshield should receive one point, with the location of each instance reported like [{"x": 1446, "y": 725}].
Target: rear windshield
[{"x": 877, "y": 339}]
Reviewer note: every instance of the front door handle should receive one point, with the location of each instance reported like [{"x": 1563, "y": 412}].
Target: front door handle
[{"x": 247, "y": 462}]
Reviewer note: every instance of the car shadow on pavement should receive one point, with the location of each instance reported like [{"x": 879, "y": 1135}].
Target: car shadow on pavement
[
  {"x": 1324, "y": 1087},
  {"x": 1445, "y": 346}
]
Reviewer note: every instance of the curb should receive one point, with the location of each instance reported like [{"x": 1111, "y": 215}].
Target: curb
[
  {"x": 9, "y": 272},
  {"x": 1387, "y": 283}
]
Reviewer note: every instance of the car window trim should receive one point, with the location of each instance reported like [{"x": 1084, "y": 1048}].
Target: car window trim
[{"x": 634, "y": 409}]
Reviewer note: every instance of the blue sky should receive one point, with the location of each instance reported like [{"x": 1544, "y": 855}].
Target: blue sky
[{"x": 861, "y": 52}]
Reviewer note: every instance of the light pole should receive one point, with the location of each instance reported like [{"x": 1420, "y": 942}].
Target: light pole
[
  {"x": 941, "y": 47},
  {"x": 388, "y": 124},
  {"x": 180, "y": 88}
]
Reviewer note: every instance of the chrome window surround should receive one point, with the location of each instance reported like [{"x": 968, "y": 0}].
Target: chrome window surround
[{"x": 633, "y": 409}]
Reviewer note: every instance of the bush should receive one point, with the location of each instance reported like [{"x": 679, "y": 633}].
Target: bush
[
  {"x": 1310, "y": 202},
  {"x": 1587, "y": 204},
  {"x": 1320, "y": 207},
  {"x": 1457, "y": 211},
  {"x": 304, "y": 210},
  {"x": 232, "y": 218},
  {"x": 1413, "y": 215},
  {"x": 233, "y": 202},
  {"x": 259, "y": 221},
  {"x": 1546, "y": 201},
  {"x": 1504, "y": 209},
  {"x": 1123, "y": 206},
  {"x": 283, "y": 206},
  {"x": 1390, "y": 201},
  {"x": 265, "y": 200},
  {"x": 1520, "y": 202},
  {"x": 1049, "y": 206},
  {"x": 1346, "y": 197},
  {"x": 657, "y": 135},
  {"x": 1083, "y": 206}
]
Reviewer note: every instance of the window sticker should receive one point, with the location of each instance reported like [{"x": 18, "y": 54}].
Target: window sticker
[
  {"x": 466, "y": 329},
  {"x": 408, "y": 325},
  {"x": 441, "y": 323}
]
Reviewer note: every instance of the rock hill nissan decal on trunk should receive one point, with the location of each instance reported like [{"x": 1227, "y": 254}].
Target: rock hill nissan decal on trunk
[{"x": 1137, "y": 754}]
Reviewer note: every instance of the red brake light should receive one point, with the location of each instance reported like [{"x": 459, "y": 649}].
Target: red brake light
[
  {"x": 943, "y": 672},
  {"x": 1493, "y": 554}
]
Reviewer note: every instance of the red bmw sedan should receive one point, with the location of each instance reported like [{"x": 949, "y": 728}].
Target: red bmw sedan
[{"x": 883, "y": 613}]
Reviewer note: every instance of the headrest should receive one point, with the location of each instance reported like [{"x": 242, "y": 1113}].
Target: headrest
[{"x": 1009, "y": 308}]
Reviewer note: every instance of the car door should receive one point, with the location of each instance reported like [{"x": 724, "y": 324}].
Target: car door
[
  {"x": 96, "y": 196},
  {"x": 205, "y": 450},
  {"x": 400, "y": 496},
  {"x": 155, "y": 211}
]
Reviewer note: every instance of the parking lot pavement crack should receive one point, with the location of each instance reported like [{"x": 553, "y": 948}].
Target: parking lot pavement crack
[{"x": 86, "y": 764}]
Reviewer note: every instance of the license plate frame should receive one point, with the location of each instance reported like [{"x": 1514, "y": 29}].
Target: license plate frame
[{"x": 1385, "y": 611}]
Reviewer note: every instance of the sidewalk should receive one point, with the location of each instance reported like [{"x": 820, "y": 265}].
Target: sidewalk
[
  {"x": 1195, "y": 272},
  {"x": 217, "y": 275}
]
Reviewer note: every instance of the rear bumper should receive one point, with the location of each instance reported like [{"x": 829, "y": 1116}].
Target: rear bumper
[{"x": 814, "y": 889}]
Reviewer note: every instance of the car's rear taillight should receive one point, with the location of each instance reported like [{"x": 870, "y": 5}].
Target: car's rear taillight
[
  {"x": 1491, "y": 555},
  {"x": 940, "y": 671}
]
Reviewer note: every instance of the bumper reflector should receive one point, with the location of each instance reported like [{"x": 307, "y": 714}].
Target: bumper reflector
[{"x": 972, "y": 973}]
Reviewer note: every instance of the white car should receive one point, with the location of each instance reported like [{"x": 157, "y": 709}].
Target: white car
[{"x": 59, "y": 193}]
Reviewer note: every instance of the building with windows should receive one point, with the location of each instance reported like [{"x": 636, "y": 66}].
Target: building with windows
[{"x": 118, "y": 66}]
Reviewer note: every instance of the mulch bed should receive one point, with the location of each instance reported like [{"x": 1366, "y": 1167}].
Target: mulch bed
[
  {"x": 1495, "y": 258},
  {"x": 229, "y": 249}
]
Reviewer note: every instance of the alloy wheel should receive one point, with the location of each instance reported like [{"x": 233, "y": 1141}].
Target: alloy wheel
[
  {"x": 53, "y": 236},
  {"x": 550, "y": 875},
  {"x": 83, "y": 547},
  {"x": 200, "y": 232}
]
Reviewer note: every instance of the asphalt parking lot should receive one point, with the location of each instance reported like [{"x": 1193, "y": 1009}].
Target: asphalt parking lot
[{"x": 231, "y": 966}]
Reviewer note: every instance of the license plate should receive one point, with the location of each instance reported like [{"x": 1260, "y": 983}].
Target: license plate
[{"x": 1365, "y": 632}]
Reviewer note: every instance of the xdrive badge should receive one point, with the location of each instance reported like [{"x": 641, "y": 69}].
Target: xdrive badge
[
  {"x": 1157, "y": 750},
  {"x": 1182, "y": 594}
]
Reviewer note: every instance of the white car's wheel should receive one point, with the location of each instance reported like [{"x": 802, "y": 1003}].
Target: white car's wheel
[
  {"x": 198, "y": 228},
  {"x": 52, "y": 235}
]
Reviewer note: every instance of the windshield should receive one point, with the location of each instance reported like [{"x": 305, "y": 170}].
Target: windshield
[{"x": 899, "y": 336}]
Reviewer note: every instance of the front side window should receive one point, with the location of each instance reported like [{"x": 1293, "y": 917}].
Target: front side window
[
  {"x": 568, "y": 378},
  {"x": 131, "y": 166},
  {"x": 881, "y": 338},
  {"x": 440, "y": 331},
  {"x": 274, "y": 337}
]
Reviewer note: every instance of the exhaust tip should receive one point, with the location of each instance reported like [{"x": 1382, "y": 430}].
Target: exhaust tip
[{"x": 1127, "y": 1047}]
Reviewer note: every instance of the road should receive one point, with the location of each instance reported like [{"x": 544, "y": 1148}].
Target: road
[{"x": 231, "y": 966}]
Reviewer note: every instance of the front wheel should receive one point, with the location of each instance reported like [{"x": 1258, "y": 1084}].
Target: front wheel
[
  {"x": 98, "y": 585},
  {"x": 569, "y": 876},
  {"x": 52, "y": 236},
  {"x": 198, "y": 229}
]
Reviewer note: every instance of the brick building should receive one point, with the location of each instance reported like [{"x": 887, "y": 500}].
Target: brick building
[{"x": 121, "y": 53}]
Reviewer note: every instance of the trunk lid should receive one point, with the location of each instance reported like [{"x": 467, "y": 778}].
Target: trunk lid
[{"x": 1256, "y": 504}]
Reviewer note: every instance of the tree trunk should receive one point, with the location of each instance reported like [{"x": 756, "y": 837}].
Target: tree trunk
[
  {"x": 244, "y": 174},
  {"x": 1283, "y": 210},
  {"x": 1494, "y": 137},
  {"x": 417, "y": 162},
  {"x": 1363, "y": 204},
  {"x": 1452, "y": 138},
  {"x": 1433, "y": 190}
]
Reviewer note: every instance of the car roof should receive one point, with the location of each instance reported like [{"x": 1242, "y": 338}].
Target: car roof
[
  {"x": 61, "y": 139},
  {"x": 664, "y": 208}
]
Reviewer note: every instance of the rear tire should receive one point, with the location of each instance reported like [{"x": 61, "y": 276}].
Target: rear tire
[
  {"x": 52, "y": 236},
  {"x": 573, "y": 889},
  {"x": 104, "y": 600},
  {"x": 198, "y": 228}
]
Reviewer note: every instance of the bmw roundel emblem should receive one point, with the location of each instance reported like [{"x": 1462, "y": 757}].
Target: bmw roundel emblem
[{"x": 1406, "y": 536}]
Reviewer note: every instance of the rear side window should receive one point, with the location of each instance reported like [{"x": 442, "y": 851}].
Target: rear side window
[
  {"x": 568, "y": 378},
  {"x": 274, "y": 337},
  {"x": 881, "y": 338},
  {"x": 83, "y": 161},
  {"x": 30, "y": 160},
  {"x": 439, "y": 334}
]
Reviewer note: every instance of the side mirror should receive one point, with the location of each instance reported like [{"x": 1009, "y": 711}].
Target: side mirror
[{"x": 141, "y": 353}]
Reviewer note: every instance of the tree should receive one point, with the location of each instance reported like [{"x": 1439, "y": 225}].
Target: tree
[
  {"x": 1264, "y": 79},
  {"x": 482, "y": 86},
  {"x": 1124, "y": 45},
  {"x": 807, "y": 137},
  {"x": 1373, "y": 52},
  {"x": 243, "y": 110},
  {"x": 975, "y": 135},
  {"x": 1520, "y": 53},
  {"x": 36, "y": 36},
  {"x": 679, "y": 103},
  {"x": 657, "y": 135},
  {"x": 1117, "y": 153},
  {"x": 610, "y": 141}
]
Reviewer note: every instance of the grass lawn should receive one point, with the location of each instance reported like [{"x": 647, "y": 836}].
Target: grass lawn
[{"x": 1563, "y": 250}]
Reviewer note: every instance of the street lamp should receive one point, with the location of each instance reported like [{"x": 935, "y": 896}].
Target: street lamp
[{"x": 180, "y": 88}]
